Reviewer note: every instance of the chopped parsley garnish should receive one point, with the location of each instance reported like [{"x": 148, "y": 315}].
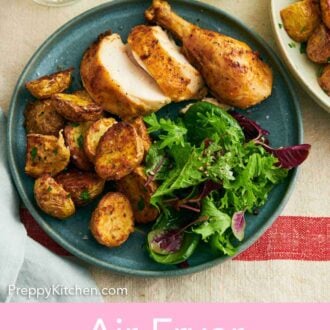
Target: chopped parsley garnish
[
  {"x": 280, "y": 25},
  {"x": 74, "y": 124},
  {"x": 80, "y": 141},
  {"x": 303, "y": 47},
  {"x": 49, "y": 189},
  {"x": 328, "y": 60},
  {"x": 55, "y": 151},
  {"x": 304, "y": 28},
  {"x": 34, "y": 153},
  {"x": 292, "y": 45},
  {"x": 85, "y": 196},
  {"x": 320, "y": 71}
]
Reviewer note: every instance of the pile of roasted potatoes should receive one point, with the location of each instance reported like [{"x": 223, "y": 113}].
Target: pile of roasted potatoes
[
  {"x": 308, "y": 22},
  {"x": 74, "y": 147}
]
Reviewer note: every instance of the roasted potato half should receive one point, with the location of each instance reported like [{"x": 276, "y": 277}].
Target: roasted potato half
[
  {"x": 318, "y": 45},
  {"x": 44, "y": 87},
  {"x": 42, "y": 118},
  {"x": 76, "y": 108},
  {"x": 94, "y": 134},
  {"x": 324, "y": 79},
  {"x": 52, "y": 198},
  {"x": 112, "y": 221},
  {"x": 325, "y": 9},
  {"x": 136, "y": 187},
  {"x": 82, "y": 186},
  {"x": 46, "y": 154},
  {"x": 74, "y": 135},
  {"x": 119, "y": 152},
  {"x": 83, "y": 94},
  {"x": 142, "y": 131},
  {"x": 300, "y": 19}
]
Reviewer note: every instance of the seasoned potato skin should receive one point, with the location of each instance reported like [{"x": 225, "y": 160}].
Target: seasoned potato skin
[
  {"x": 139, "y": 194},
  {"x": 44, "y": 87},
  {"x": 82, "y": 93},
  {"x": 94, "y": 134},
  {"x": 325, "y": 9},
  {"x": 142, "y": 131},
  {"x": 52, "y": 198},
  {"x": 46, "y": 154},
  {"x": 112, "y": 221},
  {"x": 318, "y": 45},
  {"x": 76, "y": 108},
  {"x": 42, "y": 118},
  {"x": 82, "y": 186},
  {"x": 119, "y": 152},
  {"x": 324, "y": 79},
  {"x": 300, "y": 19},
  {"x": 74, "y": 138}
]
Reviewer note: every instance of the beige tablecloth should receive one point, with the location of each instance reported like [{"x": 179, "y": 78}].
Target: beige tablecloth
[{"x": 24, "y": 25}]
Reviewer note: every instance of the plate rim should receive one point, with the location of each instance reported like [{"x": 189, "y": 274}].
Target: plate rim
[
  {"x": 289, "y": 62},
  {"x": 121, "y": 269}
]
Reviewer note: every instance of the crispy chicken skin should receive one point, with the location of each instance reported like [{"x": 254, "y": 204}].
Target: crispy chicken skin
[
  {"x": 154, "y": 50},
  {"x": 232, "y": 70}
]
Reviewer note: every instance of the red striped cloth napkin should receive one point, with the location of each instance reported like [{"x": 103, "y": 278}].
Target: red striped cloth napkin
[{"x": 290, "y": 238}]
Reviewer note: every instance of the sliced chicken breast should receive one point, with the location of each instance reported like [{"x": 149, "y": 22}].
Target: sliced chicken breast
[
  {"x": 116, "y": 82},
  {"x": 158, "y": 54}
]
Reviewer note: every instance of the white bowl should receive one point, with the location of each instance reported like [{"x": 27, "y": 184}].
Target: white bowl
[{"x": 301, "y": 67}]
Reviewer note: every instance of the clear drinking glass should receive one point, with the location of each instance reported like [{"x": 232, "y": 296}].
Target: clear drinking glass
[{"x": 55, "y": 3}]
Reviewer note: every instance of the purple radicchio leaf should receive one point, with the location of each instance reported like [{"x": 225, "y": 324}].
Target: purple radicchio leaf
[
  {"x": 166, "y": 241},
  {"x": 194, "y": 203},
  {"x": 208, "y": 187},
  {"x": 238, "y": 224},
  {"x": 289, "y": 157},
  {"x": 251, "y": 129}
]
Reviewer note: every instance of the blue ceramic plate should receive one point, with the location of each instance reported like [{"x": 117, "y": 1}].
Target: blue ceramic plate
[{"x": 279, "y": 114}]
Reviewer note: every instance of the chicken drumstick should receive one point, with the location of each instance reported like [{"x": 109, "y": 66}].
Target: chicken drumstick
[{"x": 233, "y": 71}]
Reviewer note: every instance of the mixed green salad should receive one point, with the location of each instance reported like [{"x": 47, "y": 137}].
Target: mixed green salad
[{"x": 212, "y": 168}]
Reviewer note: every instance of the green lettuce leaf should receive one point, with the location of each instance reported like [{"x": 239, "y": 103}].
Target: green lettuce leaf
[
  {"x": 217, "y": 223},
  {"x": 204, "y": 119}
]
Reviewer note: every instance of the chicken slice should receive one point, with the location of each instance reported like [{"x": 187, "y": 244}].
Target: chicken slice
[
  {"x": 161, "y": 58},
  {"x": 117, "y": 83}
]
